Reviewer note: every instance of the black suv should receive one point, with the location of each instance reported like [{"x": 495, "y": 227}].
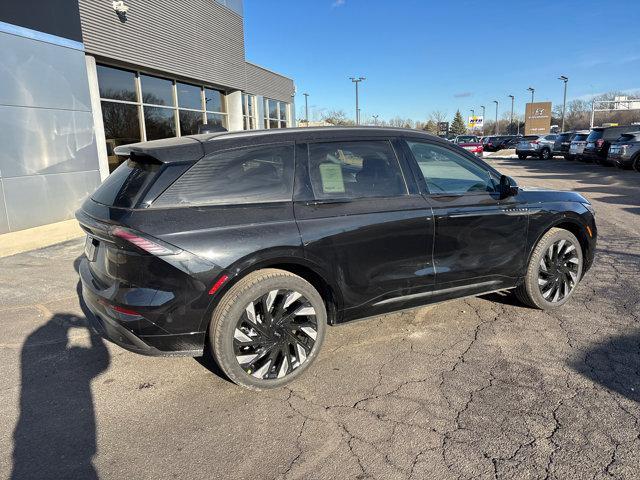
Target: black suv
[
  {"x": 249, "y": 244},
  {"x": 599, "y": 141}
]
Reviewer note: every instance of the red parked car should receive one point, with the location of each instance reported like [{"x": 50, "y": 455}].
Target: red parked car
[{"x": 471, "y": 143}]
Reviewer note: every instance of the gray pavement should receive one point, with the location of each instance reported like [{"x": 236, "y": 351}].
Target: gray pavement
[{"x": 475, "y": 388}]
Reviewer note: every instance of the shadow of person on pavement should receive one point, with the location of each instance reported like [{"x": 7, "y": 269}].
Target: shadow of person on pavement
[
  {"x": 55, "y": 436},
  {"x": 614, "y": 364}
]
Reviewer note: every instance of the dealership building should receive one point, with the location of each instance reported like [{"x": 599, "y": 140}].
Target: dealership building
[{"x": 80, "y": 77}]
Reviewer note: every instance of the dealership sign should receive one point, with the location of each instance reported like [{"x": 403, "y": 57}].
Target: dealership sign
[
  {"x": 443, "y": 129},
  {"x": 537, "y": 118},
  {"x": 476, "y": 121}
]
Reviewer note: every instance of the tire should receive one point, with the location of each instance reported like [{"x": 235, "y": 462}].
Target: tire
[
  {"x": 522, "y": 156},
  {"x": 545, "y": 154},
  {"x": 242, "y": 323},
  {"x": 563, "y": 273},
  {"x": 569, "y": 158},
  {"x": 636, "y": 163}
]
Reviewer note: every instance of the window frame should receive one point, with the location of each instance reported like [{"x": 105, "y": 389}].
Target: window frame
[
  {"x": 421, "y": 181},
  {"x": 304, "y": 156},
  {"x": 278, "y": 119}
]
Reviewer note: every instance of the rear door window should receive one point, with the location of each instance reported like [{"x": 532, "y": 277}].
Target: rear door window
[
  {"x": 245, "y": 175},
  {"x": 355, "y": 169}
]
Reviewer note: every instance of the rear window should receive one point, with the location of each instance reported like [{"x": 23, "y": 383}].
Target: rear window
[
  {"x": 529, "y": 138},
  {"x": 579, "y": 137},
  {"x": 241, "y": 176},
  {"x": 595, "y": 135},
  {"x": 627, "y": 137},
  {"x": 563, "y": 137},
  {"x": 126, "y": 184}
]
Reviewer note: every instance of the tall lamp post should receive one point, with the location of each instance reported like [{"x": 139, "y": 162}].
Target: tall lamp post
[
  {"x": 483, "y": 110},
  {"x": 375, "y": 119},
  {"x": 532, "y": 90},
  {"x": 357, "y": 81},
  {"x": 497, "y": 103},
  {"x": 306, "y": 108},
  {"x": 511, "y": 122},
  {"x": 564, "y": 103}
]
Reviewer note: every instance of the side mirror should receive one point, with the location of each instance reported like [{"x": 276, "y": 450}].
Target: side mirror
[{"x": 508, "y": 187}]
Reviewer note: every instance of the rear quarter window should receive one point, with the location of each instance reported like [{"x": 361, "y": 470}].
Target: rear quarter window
[
  {"x": 124, "y": 187},
  {"x": 245, "y": 175}
]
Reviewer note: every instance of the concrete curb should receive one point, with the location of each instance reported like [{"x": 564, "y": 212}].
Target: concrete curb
[{"x": 39, "y": 237}]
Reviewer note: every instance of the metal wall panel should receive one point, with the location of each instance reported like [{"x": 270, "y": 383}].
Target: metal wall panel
[
  {"x": 41, "y": 199},
  {"x": 38, "y": 141},
  {"x": 197, "y": 39},
  {"x": 4, "y": 223},
  {"x": 261, "y": 81},
  {"x": 39, "y": 74}
]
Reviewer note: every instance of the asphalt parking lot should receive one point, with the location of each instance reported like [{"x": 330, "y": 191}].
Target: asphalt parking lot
[{"x": 475, "y": 388}]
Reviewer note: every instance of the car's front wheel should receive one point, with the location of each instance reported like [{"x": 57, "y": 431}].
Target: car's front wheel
[
  {"x": 554, "y": 270},
  {"x": 522, "y": 156},
  {"x": 545, "y": 154},
  {"x": 268, "y": 329}
]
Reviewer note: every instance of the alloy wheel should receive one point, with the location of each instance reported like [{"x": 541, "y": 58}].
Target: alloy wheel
[
  {"x": 275, "y": 334},
  {"x": 558, "y": 271}
]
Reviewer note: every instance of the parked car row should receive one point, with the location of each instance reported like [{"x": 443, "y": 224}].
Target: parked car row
[{"x": 616, "y": 145}]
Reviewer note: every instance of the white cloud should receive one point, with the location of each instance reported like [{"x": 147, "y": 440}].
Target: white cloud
[{"x": 338, "y": 3}]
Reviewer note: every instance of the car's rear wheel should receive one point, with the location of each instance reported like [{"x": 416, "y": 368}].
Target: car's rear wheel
[
  {"x": 554, "y": 270},
  {"x": 636, "y": 163},
  {"x": 268, "y": 329},
  {"x": 522, "y": 156}
]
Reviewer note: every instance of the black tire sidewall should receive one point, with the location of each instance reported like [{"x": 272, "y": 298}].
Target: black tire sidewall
[
  {"x": 531, "y": 281},
  {"x": 221, "y": 334}
]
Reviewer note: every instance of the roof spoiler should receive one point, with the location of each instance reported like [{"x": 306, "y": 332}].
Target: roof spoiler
[{"x": 169, "y": 150}]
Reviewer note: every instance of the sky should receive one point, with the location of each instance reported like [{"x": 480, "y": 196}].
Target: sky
[{"x": 424, "y": 55}]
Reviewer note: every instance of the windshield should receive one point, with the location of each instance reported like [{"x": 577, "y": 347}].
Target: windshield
[{"x": 467, "y": 139}]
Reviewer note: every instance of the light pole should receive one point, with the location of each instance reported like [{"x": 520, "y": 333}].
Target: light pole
[
  {"x": 483, "y": 110},
  {"x": 496, "y": 102},
  {"x": 357, "y": 81},
  {"x": 306, "y": 108},
  {"x": 564, "y": 103},
  {"x": 375, "y": 119},
  {"x": 532, "y": 90},
  {"x": 511, "y": 122}
]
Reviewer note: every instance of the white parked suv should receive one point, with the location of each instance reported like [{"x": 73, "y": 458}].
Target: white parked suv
[{"x": 540, "y": 146}]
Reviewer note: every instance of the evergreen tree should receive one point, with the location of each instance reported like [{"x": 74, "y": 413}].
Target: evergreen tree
[
  {"x": 431, "y": 127},
  {"x": 458, "y": 127}
]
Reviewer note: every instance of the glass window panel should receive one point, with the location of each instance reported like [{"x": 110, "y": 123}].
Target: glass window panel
[
  {"x": 116, "y": 84},
  {"x": 159, "y": 122},
  {"x": 217, "y": 119},
  {"x": 214, "y": 100},
  {"x": 189, "y": 122},
  {"x": 272, "y": 108},
  {"x": 447, "y": 172},
  {"x": 274, "y": 124},
  {"x": 157, "y": 91},
  {"x": 283, "y": 111},
  {"x": 355, "y": 170},
  {"x": 121, "y": 127},
  {"x": 245, "y": 175},
  {"x": 283, "y": 124},
  {"x": 189, "y": 96}
]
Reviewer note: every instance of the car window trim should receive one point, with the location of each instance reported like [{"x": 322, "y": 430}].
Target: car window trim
[
  {"x": 389, "y": 139},
  {"x": 422, "y": 183}
]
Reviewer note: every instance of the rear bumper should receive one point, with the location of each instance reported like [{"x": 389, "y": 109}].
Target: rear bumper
[
  {"x": 124, "y": 329},
  {"x": 621, "y": 160}
]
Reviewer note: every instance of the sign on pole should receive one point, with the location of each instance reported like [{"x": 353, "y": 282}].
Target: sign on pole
[
  {"x": 443, "y": 129},
  {"x": 537, "y": 118},
  {"x": 476, "y": 121}
]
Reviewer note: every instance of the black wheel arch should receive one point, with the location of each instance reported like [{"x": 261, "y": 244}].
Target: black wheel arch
[{"x": 288, "y": 261}]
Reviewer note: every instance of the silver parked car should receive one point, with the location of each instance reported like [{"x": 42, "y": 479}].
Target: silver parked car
[
  {"x": 625, "y": 152},
  {"x": 578, "y": 142},
  {"x": 540, "y": 146}
]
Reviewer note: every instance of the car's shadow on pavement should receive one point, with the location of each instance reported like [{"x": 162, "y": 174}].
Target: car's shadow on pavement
[
  {"x": 55, "y": 436},
  {"x": 614, "y": 365}
]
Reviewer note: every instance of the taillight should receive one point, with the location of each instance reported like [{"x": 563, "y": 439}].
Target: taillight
[
  {"x": 118, "y": 309},
  {"x": 599, "y": 143},
  {"x": 536, "y": 142},
  {"x": 153, "y": 247}
]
